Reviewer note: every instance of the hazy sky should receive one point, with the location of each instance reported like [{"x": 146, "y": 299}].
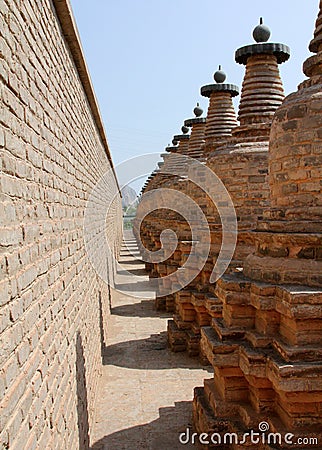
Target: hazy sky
[{"x": 148, "y": 58}]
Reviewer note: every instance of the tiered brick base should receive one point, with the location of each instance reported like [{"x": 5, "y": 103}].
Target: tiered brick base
[
  {"x": 243, "y": 170},
  {"x": 265, "y": 349}
]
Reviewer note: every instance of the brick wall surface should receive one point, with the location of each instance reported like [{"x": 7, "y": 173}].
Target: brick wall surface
[{"x": 51, "y": 301}]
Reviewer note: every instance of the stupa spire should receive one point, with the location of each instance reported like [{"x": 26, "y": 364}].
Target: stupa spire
[
  {"x": 221, "y": 116},
  {"x": 197, "y": 125},
  {"x": 183, "y": 140},
  {"x": 262, "y": 89}
]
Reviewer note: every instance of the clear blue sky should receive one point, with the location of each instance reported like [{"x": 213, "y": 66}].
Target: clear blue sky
[{"x": 148, "y": 58}]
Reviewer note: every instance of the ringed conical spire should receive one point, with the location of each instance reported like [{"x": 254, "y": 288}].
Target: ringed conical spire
[
  {"x": 221, "y": 116},
  {"x": 262, "y": 89},
  {"x": 183, "y": 140},
  {"x": 197, "y": 125}
]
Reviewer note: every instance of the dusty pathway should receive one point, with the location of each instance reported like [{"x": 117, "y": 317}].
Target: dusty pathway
[{"x": 144, "y": 398}]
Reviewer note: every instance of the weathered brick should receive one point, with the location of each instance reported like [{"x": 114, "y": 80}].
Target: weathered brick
[
  {"x": 10, "y": 236},
  {"x": 41, "y": 110}
]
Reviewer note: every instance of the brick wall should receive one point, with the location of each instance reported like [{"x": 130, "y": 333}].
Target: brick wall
[
  {"x": 52, "y": 303},
  {"x": 295, "y": 155}
]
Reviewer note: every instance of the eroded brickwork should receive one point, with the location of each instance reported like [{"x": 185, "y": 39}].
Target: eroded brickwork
[
  {"x": 52, "y": 302},
  {"x": 266, "y": 348}
]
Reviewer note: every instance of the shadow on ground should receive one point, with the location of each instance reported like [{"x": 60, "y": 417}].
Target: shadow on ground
[
  {"x": 160, "y": 434},
  {"x": 151, "y": 353},
  {"x": 143, "y": 309},
  {"x": 130, "y": 251},
  {"x": 137, "y": 272},
  {"x": 133, "y": 262},
  {"x": 136, "y": 288}
]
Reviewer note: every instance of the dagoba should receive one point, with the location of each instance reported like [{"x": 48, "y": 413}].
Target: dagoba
[
  {"x": 197, "y": 125},
  {"x": 221, "y": 116},
  {"x": 221, "y": 123},
  {"x": 266, "y": 349},
  {"x": 239, "y": 157},
  {"x": 242, "y": 161},
  {"x": 183, "y": 140},
  {"x": 170, "y": 175},
  {"x": 184, "y": 329},
  {"x": 194, "y": 150},
  {"x": 262, "y": 90}
]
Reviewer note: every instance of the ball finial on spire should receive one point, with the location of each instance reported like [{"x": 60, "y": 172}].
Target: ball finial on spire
[
  {"x": 219, "y": 75},
  {"x": 184, "y": 129},
  {"x": 197, "y": 111},
  {"x": 174, "y": 142},
  {"x": 261, "y": 32}
]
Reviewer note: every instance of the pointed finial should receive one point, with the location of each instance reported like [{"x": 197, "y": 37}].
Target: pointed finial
[
  {"x": 197, "y": 110},
  {"x": 261, "y": 32},
  {"x": 219, "y": 75}
]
